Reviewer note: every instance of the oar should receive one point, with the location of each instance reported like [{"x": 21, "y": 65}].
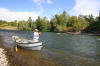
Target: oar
[{"x": 16, "y": 48}]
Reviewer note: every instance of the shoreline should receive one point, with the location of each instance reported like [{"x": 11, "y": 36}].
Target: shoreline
[
  {"x": 22, "y": 59},
  {"x": 73, "y": 33},
  {"x": 4, "y": 61},
  {"x": 78, "y": 33},
  {"x": 8, "y": 27},
  {"x": 3, "y": 58}
]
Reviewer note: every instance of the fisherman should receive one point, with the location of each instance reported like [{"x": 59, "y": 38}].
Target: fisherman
[{"x": 36, "y": 35}]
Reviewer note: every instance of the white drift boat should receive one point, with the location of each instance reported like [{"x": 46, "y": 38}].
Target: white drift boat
[{"x": 27, "y": 44}]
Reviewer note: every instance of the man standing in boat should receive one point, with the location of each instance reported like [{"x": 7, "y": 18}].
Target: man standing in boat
[{"x": 36, "y": 35}]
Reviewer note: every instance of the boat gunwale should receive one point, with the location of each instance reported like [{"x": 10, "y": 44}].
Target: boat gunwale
[
  {"x": 29, "y": 43},
  {"x": 30, "y": 46}
]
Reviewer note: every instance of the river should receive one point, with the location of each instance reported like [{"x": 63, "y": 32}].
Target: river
[{"x": 66, "y": 49}]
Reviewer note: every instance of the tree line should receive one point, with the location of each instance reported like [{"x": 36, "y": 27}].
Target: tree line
[{"x": 59, "y": 23}]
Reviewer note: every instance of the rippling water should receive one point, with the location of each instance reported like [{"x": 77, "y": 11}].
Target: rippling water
[{"x": 63, "y": 48}]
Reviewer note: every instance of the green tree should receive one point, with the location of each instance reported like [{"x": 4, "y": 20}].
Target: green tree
[
  {"x": 95, "y": 26},
  {"x": 33, "y": 26},
  {"x": 60, "y": 21},
  {"x": 40, "y": 24},
  {"x": 47, "y": 27},
  {"x": 53, "y": 25},
  {"x": 30, "y": 22},
  {"x": 13, "y": 23},
  {"x": 23, "y": 25}
]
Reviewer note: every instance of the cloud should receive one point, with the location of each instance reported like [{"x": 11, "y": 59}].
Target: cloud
[
  {"x": 49, "y": 2},
  {"x": 5, "y": 14},
  {"x": 39, "y": 2},
  {"x": 86, "y": 7}
]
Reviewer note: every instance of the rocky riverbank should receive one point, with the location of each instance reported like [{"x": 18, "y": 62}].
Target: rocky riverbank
[{"x": 3, "y": 58}]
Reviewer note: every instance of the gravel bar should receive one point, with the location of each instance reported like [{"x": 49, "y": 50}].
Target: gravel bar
[{"x": 3, "y": 59}]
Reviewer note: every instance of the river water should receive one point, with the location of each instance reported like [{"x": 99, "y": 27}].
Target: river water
[{"x": 66, "y": 49}]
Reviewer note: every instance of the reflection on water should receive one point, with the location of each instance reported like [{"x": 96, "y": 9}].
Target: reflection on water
[{"x": 64, "y": 48}]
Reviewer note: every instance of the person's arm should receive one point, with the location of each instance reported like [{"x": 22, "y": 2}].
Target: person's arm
[{"x": 39, "y": 33}]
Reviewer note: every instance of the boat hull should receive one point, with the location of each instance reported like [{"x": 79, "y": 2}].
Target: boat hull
[{"x": 31, "y": 46}]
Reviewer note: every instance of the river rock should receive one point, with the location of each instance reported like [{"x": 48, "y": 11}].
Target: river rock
[{"x": 3, "y": 59}]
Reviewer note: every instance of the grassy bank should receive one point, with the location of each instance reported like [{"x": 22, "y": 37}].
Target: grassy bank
[{"x": 8, "y": 27}]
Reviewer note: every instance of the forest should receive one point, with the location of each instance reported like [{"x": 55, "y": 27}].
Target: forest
[{"x": 59, "y": 23}]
